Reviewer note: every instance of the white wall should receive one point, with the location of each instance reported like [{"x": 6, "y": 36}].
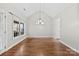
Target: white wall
[
  {"x": 56, "y": 27},
  {"x": 50, "y": 28},
  {"x": 2, "y": 30},
  {"x": 39, "y": 30},
  {"x": 9, "y": 40},
  {"x": 9, "y": 29},
  {"x": 70, "y": 26}
]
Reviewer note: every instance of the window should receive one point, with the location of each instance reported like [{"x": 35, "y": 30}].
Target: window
[
  {"x": 16, "y": 28},
  {"x": 22, "y": 28}
]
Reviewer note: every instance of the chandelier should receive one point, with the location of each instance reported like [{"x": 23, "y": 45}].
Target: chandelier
[{"x": 40, "y": 20}]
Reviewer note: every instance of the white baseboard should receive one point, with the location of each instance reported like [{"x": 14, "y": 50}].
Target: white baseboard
[
  {"x": 40, "y": 37},
  {"x": 13, "y": 45},
  {"x": 69, "y": 46}
]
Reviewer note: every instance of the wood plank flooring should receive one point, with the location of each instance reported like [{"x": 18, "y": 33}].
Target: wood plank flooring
[{"x": 40, "y": 47}]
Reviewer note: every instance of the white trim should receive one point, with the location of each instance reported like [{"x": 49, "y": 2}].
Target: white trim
[
  {"x": 69, "y": 46},
  {"x": 40, "y": 37},
  {"x": 13, "y": 45}
]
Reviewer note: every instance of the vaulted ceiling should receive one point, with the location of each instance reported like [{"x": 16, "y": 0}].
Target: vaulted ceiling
[{"x": 27, "y": 9}]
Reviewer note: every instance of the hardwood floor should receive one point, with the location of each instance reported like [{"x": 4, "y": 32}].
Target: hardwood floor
[{"x": 40, "y": 47}]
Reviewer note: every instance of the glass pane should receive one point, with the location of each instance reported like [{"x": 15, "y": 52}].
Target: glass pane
[
  {"x": 16, "y": 28},
  {"x": 22, "y": 28}
]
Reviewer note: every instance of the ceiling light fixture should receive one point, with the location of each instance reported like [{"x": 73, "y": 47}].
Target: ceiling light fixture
[{"x": 40, "y": 21}]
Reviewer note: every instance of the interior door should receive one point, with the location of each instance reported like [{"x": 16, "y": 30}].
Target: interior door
[{"x": 2, "y": 31}]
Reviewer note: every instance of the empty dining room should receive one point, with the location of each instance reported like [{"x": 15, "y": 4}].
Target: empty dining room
[{"x": 39, "y": 29}]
